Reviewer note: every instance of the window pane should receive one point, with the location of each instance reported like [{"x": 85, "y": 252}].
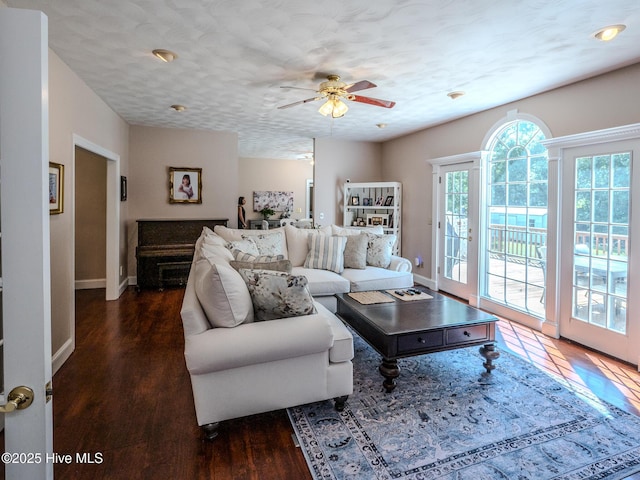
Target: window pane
[
  {"x": 539, "y": 168},
  {"x": 498, "y": 172},
  {"x": 538, "y": 194},
  {"x": 498, "y": 195},
  {"x": 620, "y": 206},
  {"x": 601, "y": 171},
  {"x": 621, "y": 170},
  {"x": 583, "y": 173},
  {"x": 601, "y": 206},
  {"x": 518, "y": 170},
  {"x": 517, "y": 195}
]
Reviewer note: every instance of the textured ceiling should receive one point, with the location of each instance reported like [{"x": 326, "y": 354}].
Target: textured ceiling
[{"x": 233, "y": 55}]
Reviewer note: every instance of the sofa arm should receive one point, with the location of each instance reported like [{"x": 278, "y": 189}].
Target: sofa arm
[
  {"x": 260, "y": 342},
  {"x": 399, "y": 264}
]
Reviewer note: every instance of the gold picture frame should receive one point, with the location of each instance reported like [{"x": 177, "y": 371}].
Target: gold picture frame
[
  {"x": 185, "y": 185},
  {"x": 56, "y": 188}
]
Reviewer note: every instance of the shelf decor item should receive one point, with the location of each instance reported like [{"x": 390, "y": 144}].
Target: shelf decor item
[
  {"x": 355, "y": 199},
  {"x": 389, "y": 201}
]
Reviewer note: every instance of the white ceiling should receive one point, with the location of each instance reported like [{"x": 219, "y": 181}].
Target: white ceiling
[{"x": 233, "y": 55}]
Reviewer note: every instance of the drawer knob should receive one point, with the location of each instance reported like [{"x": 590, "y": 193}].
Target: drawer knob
[
  {"x": 421, "y": 340},
  {"x": 467, "y": 334}
]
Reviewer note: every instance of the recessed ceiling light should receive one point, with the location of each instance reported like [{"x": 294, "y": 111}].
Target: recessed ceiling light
[
  {"x": 165, "y": 55},
  {"x": 179, "y": 108},
  {"x": 381, "y": 125},
  {"x": 454, "y": 95},
  {"x": 609, "y": 32}
]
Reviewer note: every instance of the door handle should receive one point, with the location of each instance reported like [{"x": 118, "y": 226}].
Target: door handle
[{"x": 19, "y": 398}]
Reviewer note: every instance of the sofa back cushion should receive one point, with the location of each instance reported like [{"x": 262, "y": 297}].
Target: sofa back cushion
[
  {"x": 326, "y": 252},
  {"x": 222, "y": 293},
  {"x": 278, "y": 294},
  {"x": 269, "y": 242}
]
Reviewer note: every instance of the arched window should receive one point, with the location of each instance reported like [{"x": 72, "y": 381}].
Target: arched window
[{"x": 516, "y": 216}]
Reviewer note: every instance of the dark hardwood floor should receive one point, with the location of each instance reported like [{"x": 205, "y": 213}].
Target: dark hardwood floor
[{"x": 125, "y": 393}]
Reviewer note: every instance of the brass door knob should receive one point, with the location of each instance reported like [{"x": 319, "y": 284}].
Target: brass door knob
[{"x": 19, "y": 398}]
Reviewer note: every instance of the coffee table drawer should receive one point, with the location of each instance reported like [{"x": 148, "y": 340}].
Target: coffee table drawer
[
  {"x": 420, "y": 341},
  {"x": 467, "y": 334}
]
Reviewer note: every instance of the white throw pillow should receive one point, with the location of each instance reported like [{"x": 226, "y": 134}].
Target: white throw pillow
[
  {"x": 380, "y": 249},
  {"x": 355, "y": 251},
  {"x": 215, "y": 253},
  {"x": 223, "y": 294},
  {"x": 278, "y": 294},
  {"x": 326, "y": 252},
  {"x": 229, "y": 234},
  {"x": 298, "y": 243},
  {"x": 269, "y": 243},
  {"x": 247, "y": 245}
]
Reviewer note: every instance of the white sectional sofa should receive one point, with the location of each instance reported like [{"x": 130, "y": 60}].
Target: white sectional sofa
[
  {"x": 300, "y": 353},
  {"x": 324, "y": 284}
]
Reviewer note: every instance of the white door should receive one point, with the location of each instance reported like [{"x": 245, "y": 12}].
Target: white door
[
  {"x": 457, "y": 268},
  {"x": 26, "y": 305},
  {"x": 601, "y": 227}
]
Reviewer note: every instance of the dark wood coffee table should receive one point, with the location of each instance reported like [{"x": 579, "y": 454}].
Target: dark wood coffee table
[{"x": 409, "y": 328}]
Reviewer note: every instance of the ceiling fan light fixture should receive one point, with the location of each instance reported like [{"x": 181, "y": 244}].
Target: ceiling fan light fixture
[
  {"x": 609, "y": 32},
  {"x": 166, "y": 56},
  {"x": 339, "y": 109},
  {"x": 334, "y": 107}
]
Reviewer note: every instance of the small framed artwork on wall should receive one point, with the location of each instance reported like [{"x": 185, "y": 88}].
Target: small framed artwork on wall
[
  {"x": 185, "y": 185},
  {"x": 56, "y": 188}
]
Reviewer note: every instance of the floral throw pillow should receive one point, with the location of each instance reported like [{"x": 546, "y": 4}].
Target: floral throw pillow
[
  {"x": 380, "y": 249},
  {"x": 277, "y": 294}
]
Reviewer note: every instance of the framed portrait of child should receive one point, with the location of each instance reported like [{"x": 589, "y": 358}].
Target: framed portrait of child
[{"x": 185, "y": 185}]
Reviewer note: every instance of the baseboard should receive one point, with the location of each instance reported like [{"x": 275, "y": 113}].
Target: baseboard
[
  {"x": 123, "y": 286},
  {"x": 427, "y": 282},
  {"x": 133, "y": 280},
  {"x": 90, "y": 284},
  {"x": 62, "y": 355}
]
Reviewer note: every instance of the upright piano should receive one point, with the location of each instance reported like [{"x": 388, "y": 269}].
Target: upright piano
[{"x": 165, "y": 250}]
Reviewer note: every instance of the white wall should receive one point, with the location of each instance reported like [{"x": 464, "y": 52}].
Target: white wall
[
  {"x": 154, "y": 150},
  {"x": 75, "y": 109},
  {"x": 335, "y": 162},
  {"x": 605, "y": 101},
  {"x": 260, "y": 174}
]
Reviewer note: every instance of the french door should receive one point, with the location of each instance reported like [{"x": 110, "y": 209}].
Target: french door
[
  {"x": 457, "y": 251},
  {"x": 601, "y": 223}
]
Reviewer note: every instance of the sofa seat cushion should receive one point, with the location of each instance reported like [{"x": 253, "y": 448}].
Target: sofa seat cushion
[
  {"x": 376, "y": 278},
  {"x": 322, "y": 282},
  {"x": 263, "y": 342}
]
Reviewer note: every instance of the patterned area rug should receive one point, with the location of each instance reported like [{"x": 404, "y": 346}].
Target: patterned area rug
[{"x": 448, "y": 420}]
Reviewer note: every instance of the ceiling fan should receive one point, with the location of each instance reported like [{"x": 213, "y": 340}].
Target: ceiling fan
[{"x": 334, "y": 92}]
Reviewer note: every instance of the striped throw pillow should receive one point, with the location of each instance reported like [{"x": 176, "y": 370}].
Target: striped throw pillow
[{"x": 326, "y": 253}]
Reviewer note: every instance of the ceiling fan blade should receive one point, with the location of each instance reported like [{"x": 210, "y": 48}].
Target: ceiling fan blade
[
  {"x": 361, "y": 85},
  {"x": 373, "y": 101},
  {"x": 298, "y": 88},
  {"x": 300, "y": 102}
]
